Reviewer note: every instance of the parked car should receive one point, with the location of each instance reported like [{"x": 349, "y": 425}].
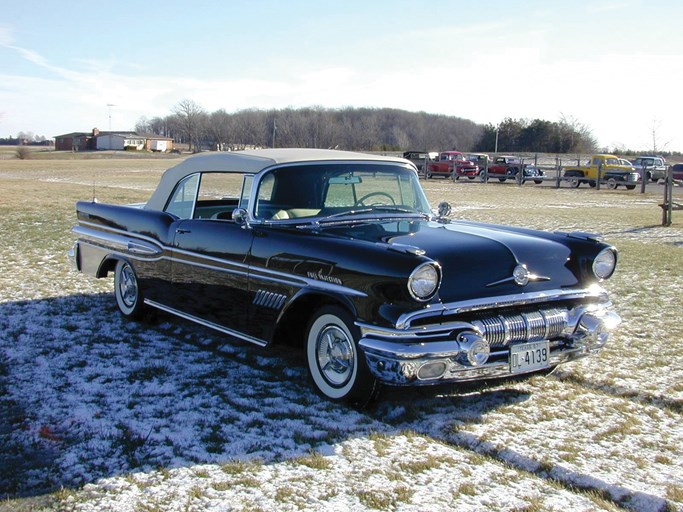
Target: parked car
[
  {"x": 340, "y": 254},
  {"x": 607, "y": 168},
  {"x": 654, "y": 167},
  {"x": 507, "y": 167},
  {"x": 677, "y": 171},
  {"x": 420, "y": 158},
  {"x": 451, "y": 164},
  {"x": 481, "y": 160}
]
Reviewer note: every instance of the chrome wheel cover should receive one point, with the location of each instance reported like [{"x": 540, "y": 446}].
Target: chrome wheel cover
[
  {"x": 128, "y": 287},
  {"x": 335, "y": 355}
]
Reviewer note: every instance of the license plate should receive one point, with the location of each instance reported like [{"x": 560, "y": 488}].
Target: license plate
[{"x": 528, "y": 357}]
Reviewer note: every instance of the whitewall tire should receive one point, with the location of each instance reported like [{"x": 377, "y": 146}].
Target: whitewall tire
[
  {"x": 335, "y": 363},
  {"x": 127, "y": 291}
]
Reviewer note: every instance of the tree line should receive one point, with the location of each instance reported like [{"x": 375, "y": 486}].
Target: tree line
[{"x": 362, "y": 129}]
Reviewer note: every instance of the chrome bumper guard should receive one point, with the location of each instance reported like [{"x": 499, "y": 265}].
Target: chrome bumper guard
[{"x": 480, "y": 349}]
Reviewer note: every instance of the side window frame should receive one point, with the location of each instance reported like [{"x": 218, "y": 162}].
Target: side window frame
[{"x": 181, "y": 188}]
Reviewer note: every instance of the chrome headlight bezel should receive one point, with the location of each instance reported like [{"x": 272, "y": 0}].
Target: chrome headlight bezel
[
  {"x": 605, "y": 263},
  {"x": 424, "y": 281}
]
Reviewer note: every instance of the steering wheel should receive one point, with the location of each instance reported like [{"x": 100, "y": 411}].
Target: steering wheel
[{"x": 361, "y": 201}]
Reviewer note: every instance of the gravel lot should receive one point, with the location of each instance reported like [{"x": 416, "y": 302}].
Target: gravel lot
[{"x": 101, "y": 414}]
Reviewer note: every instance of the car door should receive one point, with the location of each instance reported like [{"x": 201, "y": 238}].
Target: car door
[
  {"x": 210, "y": 276},
  {"x": 209, "y": 262}
]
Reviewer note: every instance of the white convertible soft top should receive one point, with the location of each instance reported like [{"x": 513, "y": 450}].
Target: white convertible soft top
[{"x": 250, "y": 162}]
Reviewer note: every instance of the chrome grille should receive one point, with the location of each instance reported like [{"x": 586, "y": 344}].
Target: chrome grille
[{"x": 528, "y": 326}]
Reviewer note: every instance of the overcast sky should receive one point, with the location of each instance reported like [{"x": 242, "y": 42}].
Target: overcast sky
[{"x": 613, "y": 65}]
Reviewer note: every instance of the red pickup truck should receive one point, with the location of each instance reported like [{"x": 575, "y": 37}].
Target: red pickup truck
[{"x": 451, "y": 164}]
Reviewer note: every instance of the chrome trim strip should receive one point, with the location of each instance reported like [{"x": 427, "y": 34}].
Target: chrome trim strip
[
  {"x": 519, "y": 299},
  {"x": 94, "y": 230},
  {"x": 120, "y": 239},
  {"x": 205, "y": 323}
]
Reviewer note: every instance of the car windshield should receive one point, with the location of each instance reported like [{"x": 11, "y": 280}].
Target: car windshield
[{"x": 313, "y": 191}]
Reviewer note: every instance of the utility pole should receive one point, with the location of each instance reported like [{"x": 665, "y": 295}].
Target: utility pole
[
  {"x": 110, "y": 105},
  {"x": 274, "y": 130}
]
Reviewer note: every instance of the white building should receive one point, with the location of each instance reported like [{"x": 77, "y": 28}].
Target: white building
[{"x": 120, "y": 141}]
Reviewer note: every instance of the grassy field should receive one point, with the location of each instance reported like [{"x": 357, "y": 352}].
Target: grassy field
[{"x": 100, "y": 414}]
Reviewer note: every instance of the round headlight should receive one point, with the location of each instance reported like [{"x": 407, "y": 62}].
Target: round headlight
[
  {"x": 604, "y": 263},
  {"x": 424, "y": 281}
]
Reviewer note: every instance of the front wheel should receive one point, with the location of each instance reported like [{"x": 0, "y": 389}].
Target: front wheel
[
  {"x": 630, "y": 187},
  {"x": 574, "y": 182},
  {"x": 612, "y": 184},
  {"x": 127, "y": 291},
  {"x": 335, "y": 363}
]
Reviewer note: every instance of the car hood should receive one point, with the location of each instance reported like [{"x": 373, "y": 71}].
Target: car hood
[{"x": 478, "y": 260}]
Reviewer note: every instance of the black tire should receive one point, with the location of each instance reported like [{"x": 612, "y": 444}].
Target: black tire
[
  {"x": 538, "y": 182},
  {"x": 592, "y": 184},
  {"x": 630, "y": 187},
  {"x": 574, "y": 181},
  {"x": 127, "y": 291},
  {"x": 612, "y": 184},
  {"x": 501, "y": 180},
  {"x": 335, "y": 363}
]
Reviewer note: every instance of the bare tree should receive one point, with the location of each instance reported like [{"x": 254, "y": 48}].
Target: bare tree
[
  {"x": 222, "y": 128},
  {"x": 657, "y": 145},
  {"x": 190, "y": 117}
]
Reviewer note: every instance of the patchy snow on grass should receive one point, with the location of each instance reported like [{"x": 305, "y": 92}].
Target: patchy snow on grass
[{"x": 98, "y": 413}]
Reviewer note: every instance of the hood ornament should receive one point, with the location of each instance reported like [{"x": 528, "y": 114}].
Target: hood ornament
[{"x": 520, "y": 276}]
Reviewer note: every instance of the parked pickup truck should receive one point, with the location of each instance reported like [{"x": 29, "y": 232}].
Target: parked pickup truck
[
  {"x": 507, "y": 167},
  {"x": 452, "y": 164},
  {"x": 654, "y": 167},
  {"x": 613, "y": 173}
]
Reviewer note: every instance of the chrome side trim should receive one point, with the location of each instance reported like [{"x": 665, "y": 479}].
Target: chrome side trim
[
  {"x": 122, "y": 241},
  {"x": 113, "y": 235},
  {"x": 205, "y": 323}
]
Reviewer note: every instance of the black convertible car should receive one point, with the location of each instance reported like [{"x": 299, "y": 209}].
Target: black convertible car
[{"x": 340, "y": 254}]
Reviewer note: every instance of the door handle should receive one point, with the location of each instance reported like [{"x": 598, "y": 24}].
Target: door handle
[{"x": 181, "y": 231}]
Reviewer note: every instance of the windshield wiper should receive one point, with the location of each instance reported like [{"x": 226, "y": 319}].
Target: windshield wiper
[
  {"x": 338, "y": 217},
  {"x": 398, "y": 209}
]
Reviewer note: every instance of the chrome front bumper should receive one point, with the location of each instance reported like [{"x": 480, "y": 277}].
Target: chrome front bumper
[{"x": 452, "y": 352}]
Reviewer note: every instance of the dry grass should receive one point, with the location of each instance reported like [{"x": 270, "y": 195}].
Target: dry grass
[{"x": 601, "y": 430}]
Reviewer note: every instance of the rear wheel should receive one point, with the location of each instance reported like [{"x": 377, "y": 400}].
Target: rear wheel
[
  {"x": 630, "y": 187},
  {"x": 128, "y": 294},
  {"x": 335, "y": 363}
]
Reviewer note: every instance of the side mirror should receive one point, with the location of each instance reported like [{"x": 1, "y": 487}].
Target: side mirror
[
  {"x": 240, "y": 216},
  {"x": 444, "y": 209}
]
